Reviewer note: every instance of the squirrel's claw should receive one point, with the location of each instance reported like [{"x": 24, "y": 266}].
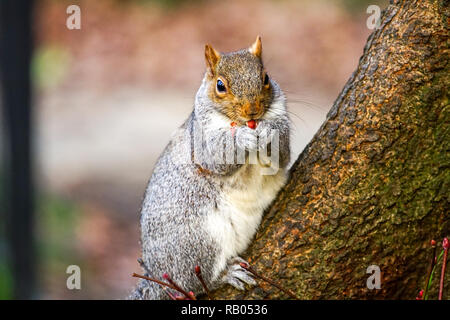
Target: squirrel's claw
[
  {"x": 237, "y": 275},
  {"x": 234, "y": 282}
]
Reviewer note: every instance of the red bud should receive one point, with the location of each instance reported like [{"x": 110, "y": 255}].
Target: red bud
[
  {"x": 433, "y": 243},
  {"x": 445, "y": 243},
  {"x": 420, "y": 295},
  {"x": 251, "y": 124},
  {"x": 197, "y": 269},
  {"x": 165, "y": 276}
]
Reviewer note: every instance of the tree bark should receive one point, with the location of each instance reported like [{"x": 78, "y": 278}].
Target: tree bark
[{"x": 372, "y": 187}]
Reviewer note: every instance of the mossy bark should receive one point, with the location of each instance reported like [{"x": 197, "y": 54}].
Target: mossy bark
[{"x": 372, "y": 187}]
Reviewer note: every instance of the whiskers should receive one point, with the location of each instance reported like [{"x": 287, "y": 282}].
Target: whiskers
[
  {"x": 295, "y": 98},
  {"x": 296, "y": 109}
]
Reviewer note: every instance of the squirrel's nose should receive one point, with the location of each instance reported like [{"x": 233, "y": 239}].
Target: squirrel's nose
[{"x": 252, "y": 110}]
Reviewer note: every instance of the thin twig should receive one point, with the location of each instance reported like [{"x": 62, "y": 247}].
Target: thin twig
[
  {"x": 171, "y": 286},
  {"x": 154, "y": 280},
  {"x": 144, "y": 266},
  {"x": 438, "y": 260},
  {"x": 189, "y": 295},
  {"x": 289, "y": 293},
  {"x": 445, "y": 245},
  {"x": 430, "y": 271},
  {"x": 198, "y": 273}
]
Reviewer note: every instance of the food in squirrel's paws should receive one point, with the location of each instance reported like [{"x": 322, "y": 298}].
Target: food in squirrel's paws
[{"x": 251, "y": 124}]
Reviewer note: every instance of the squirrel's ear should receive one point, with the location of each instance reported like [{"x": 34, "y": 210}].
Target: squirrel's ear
[
  {"x": 256, "y": 47},
  {"x": 212, "y": 58}
]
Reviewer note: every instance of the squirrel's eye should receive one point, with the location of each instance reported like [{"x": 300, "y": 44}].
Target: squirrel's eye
[
  {"x": 221, "y": 86},
  {"x": 266, "y": 80}
]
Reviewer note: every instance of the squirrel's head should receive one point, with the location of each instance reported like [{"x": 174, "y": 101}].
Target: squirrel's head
[{"x": 237, "y": 83}]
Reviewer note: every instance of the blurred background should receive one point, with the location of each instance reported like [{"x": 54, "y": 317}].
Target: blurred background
[{"x": 105, "y": 100}]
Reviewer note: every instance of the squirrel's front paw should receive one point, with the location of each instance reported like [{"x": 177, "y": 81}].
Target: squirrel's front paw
[
  {"x": 237, "y": 276},
  {"x": 246, "y": 138}
]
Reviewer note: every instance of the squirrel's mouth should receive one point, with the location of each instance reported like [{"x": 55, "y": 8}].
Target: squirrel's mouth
[
  {"x": 251, "y": 117},
  {"x": 245, "y": 121}
]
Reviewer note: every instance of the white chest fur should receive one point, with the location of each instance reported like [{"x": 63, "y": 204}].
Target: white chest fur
[{"x": 240, "y": 210}]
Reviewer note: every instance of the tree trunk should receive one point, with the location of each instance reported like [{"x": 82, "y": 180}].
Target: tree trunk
[{"x": 372, "y": 187}]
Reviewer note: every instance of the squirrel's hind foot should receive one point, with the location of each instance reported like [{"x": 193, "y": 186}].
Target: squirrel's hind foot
[{"x": 237, "y": 275}]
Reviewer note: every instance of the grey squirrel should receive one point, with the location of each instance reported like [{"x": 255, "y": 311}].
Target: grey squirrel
[{"x": 211, "y": 185}]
